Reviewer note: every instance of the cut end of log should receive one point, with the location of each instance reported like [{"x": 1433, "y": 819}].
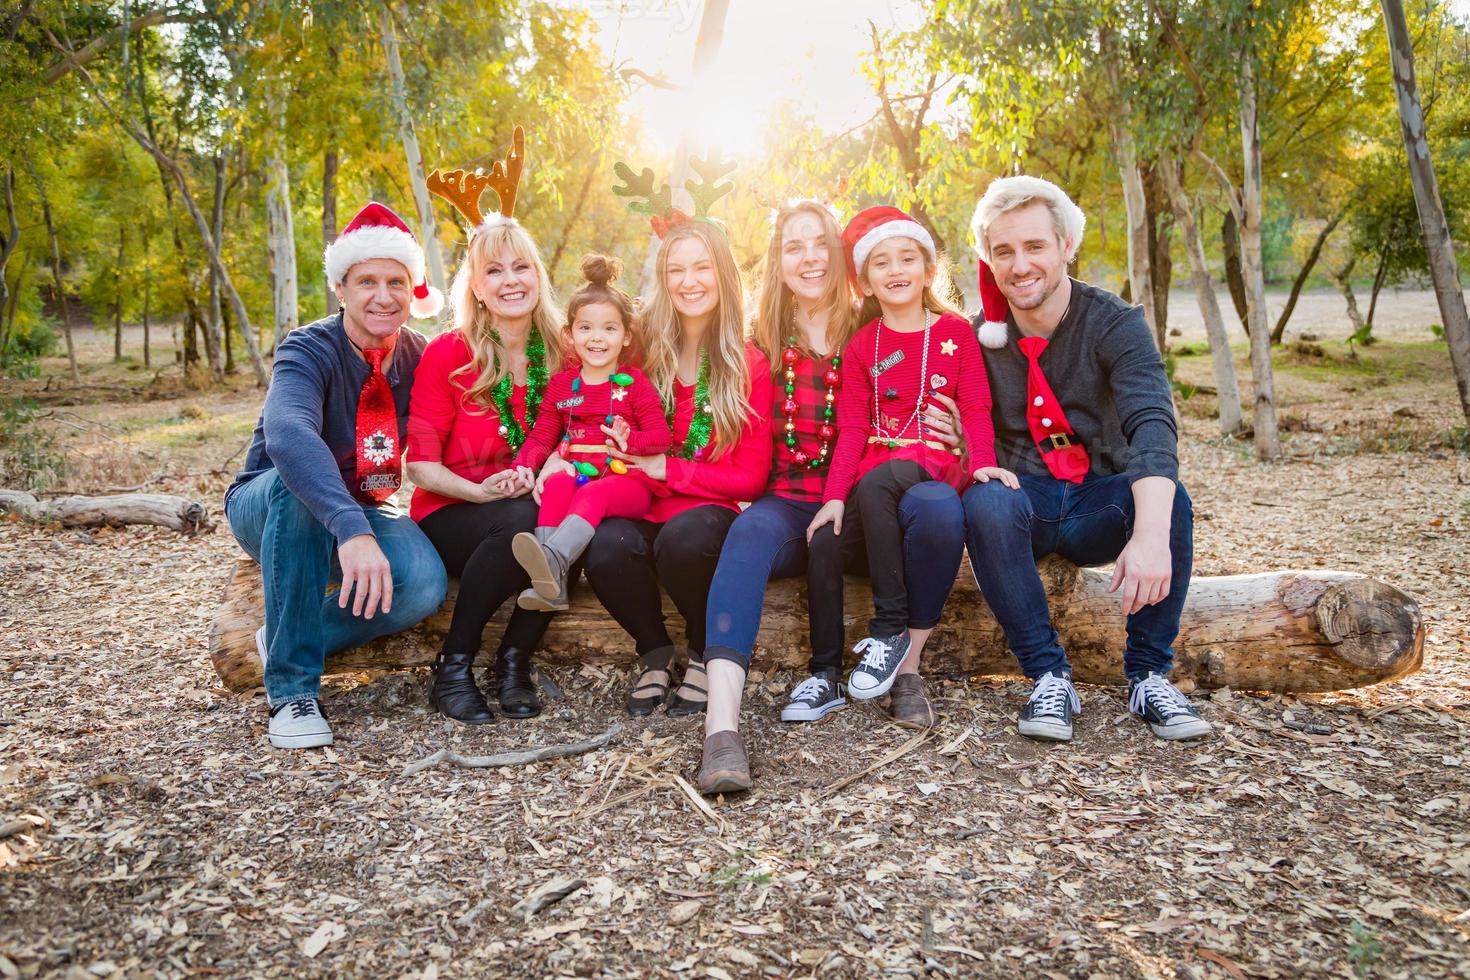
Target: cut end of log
[{"x": 1373, "y": 625}]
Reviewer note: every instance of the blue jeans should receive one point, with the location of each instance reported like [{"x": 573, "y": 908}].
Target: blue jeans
[
  {"x": 769, "y": 541},
  {"x": 1087, "y": 524},
  {"x": 298, "y": 560}
]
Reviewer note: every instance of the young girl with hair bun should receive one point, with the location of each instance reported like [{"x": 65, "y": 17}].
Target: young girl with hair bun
[{"x": 602, "y": 398}]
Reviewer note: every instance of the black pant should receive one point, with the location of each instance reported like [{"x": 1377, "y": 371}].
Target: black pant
[
  {"x": 474, "y": 542},
  {"x": 876, "y": 517},
  {"x": 628, "y": 560}
]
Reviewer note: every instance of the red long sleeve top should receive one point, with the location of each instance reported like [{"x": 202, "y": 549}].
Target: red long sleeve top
[
  {"x": 444, "y": 428},
  {"x": 886, "y": 369},
  {"x": 579, "y": 416},
  {"x": 737, "y": 474}
]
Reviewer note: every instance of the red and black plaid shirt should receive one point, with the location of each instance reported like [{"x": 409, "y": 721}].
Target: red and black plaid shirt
[{"x": 787, "y": 479}]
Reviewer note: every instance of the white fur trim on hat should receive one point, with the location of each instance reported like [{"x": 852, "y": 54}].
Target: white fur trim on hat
[
  {"x": 378, "y": 242},
  {"x": 992, "y": 333},
  {"x": 427, "y": 307},
  {"x": 887, "y": 230}
]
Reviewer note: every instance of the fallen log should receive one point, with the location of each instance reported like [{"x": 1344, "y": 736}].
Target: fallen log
[
  {"x": 162, "y": 510},
  {"x": 1291, "y": 631}
]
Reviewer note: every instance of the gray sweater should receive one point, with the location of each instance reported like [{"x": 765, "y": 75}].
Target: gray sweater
[
  {"x": 308, "y": 428},
  {"x": 1107, "y": 373}
]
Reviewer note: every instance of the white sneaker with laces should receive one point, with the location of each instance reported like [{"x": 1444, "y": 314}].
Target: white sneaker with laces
[
  {"x": 814, "y": 698},
  {"x": 299, "y": 725}
]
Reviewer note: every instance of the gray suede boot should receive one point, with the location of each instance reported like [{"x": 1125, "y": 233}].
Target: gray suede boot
[{"x": 548, "y": 561}]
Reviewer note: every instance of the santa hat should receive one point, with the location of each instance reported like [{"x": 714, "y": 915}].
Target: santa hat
[
  {"x": 993, "y": 330},
  {"x": 871, "y": 226},
  {"x": 377, "y": 233}
]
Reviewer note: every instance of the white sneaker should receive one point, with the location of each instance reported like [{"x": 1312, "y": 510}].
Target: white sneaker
[
  {"x": 260, "y": 646},
  {"x": 299, "y": 725},
  {"x": 814, "y": 698}
]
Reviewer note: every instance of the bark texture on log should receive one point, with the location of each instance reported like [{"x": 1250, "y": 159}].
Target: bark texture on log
[
  {"x": 1275, "y": 631},
  {"x": 162, "y": 510}
]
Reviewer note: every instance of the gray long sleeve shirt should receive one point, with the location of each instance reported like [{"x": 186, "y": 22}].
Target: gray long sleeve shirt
[
  {"x": 308, "y": 428},
  {"x": 1106, "y": 371}
]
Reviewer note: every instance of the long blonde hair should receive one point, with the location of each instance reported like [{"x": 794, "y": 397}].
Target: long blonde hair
[
  {"x": 943, "y": 285},
  {"x": 777, "y": 303},
  {"x": 724, "y": 340},
  {"x": 488, "y": 356}
]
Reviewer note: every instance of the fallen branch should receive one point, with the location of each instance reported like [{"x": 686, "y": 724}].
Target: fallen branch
[
  {"x": 548, "y": 894},
  {"x": 897, "y": 753},
  {"x": 162, "y": 510},
  {"x": 525, "y": 757}
]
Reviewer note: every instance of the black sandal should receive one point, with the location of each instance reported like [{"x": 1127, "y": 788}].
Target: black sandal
[
  {"x": 692, "y": 697},
  {"x": 652, "y": 687}
]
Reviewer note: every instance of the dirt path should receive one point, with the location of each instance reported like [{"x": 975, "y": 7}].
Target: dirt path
[{"x": 162, "y": 835}]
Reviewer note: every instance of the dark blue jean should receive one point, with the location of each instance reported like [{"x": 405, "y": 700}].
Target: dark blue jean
[
  {"x": 769, "y": 541},
  {"x": 298, "y": 561},
  {"x": 1008, "y": 531}
]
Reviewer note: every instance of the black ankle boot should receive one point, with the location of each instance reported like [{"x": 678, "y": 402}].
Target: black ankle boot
[
  {"x": 454, "y": 694},
  {"x": 517, "y": 691}
]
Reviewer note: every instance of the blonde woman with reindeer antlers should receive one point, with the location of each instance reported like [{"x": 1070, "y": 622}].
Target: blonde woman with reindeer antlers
[
  {"x": 717, "y": 390},
  {"x": 476, "y": 396}
]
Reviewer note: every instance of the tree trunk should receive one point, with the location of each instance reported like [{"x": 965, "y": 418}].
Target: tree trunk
[
  {"x": 1267, "y": 438},
  {"x": 217, "y": 226},
  {"x": 1343, "y": 278},
  {"x": 157, "y": 509},
  {"x": 282, "y": 241},
  {"x": 117, "y": 299},
  {"x": 1276, "y": 631},
  {"x": 1443, "y": 267},
  {"x": 572, "y": 218},
  {"x": 1160, "y": 236},
  {"x": 7, "y": 249},
  {"x": 329, "y": 214},
  {"x": 1226, "y": 384},
  {"x": 1301, "y": 278},
  {"x": 427, "y": 236},
  {"x": 1234, "y": 281},
  {"x": 147, "y": 304},
  {"x": 57, "y": 284},
  {"x": 1140, "y": 280},
  {"x": 1378, "y": 276}
]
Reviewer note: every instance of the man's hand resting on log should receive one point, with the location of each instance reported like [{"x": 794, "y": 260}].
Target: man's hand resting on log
[
  {"x": 1143, "y": 568},
  {"x": 366, "y": 576}
]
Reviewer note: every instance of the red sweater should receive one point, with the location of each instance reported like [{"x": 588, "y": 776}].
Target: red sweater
[
  {"x": 581, "y": 414},
  {"x": 444, "y": 428},
  {"x": 739, "y": 473},
  {"x": 892, "y": 380},
  {"x": 788, "y": 479}
]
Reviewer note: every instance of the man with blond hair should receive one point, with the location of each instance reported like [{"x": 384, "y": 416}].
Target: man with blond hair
[{"x": 1084, "y": 415}]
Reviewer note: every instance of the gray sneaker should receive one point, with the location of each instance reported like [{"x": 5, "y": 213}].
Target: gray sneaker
[
  {"x": 299, "y": 725},
  {"x": 881, "y": 657},
  {"x": 814, "y": 698}
]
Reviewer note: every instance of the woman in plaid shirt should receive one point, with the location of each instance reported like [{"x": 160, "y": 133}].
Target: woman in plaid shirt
[{"x": 806, "y": 314}]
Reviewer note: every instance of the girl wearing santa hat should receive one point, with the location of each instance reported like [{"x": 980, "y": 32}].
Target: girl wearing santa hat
[
  {"x": 912, "y": 347},
  {"x": 477, "y": 394}
]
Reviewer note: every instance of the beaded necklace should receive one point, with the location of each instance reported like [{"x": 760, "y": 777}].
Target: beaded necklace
[
  {"x": 536, "y": 376},
  {"x": 833, "y": 380},
  {"x": 930, "y": 319},
  {"x": 702, "y": 422}
]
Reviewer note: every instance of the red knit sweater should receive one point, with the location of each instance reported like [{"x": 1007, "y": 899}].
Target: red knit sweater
[
  {"x": 892, "y": 380},
  {"x": 737, "y": 474}
]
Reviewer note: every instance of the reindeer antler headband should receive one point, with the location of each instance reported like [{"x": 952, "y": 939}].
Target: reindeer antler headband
[
  {"x": 659, "y": 204},
  {"x": 463, "y": 189}
]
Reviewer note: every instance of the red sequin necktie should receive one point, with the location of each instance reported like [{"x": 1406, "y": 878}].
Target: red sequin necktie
[
  {"x": 379, "y": 474},
  {"x": 1063, "y": 455}
]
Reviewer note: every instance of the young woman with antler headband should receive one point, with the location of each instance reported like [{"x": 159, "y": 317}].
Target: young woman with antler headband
[
  {"x": 475, "y": 398},
  {"x": 717, "y": 390}
]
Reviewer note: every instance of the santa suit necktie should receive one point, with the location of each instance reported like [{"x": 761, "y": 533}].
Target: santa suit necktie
[
  {"x": 1063, "y": 455},
  {"x": 379, "y": 474}
]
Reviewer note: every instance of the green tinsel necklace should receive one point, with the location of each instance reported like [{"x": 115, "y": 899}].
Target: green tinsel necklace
[
  {"x": 536, "y": 375},
  {"x": 702, "y": 422}
]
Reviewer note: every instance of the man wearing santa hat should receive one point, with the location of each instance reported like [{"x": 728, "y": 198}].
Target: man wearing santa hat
[
  {"x": 341, "y": 564},
  {"x": 1084, "y": 414}
]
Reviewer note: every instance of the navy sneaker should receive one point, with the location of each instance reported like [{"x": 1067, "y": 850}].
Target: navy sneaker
[
  {"x": 1167, "y": 711},
  {"x": 1048, "y": 712},
  {"x": 874, "y": 674}
]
